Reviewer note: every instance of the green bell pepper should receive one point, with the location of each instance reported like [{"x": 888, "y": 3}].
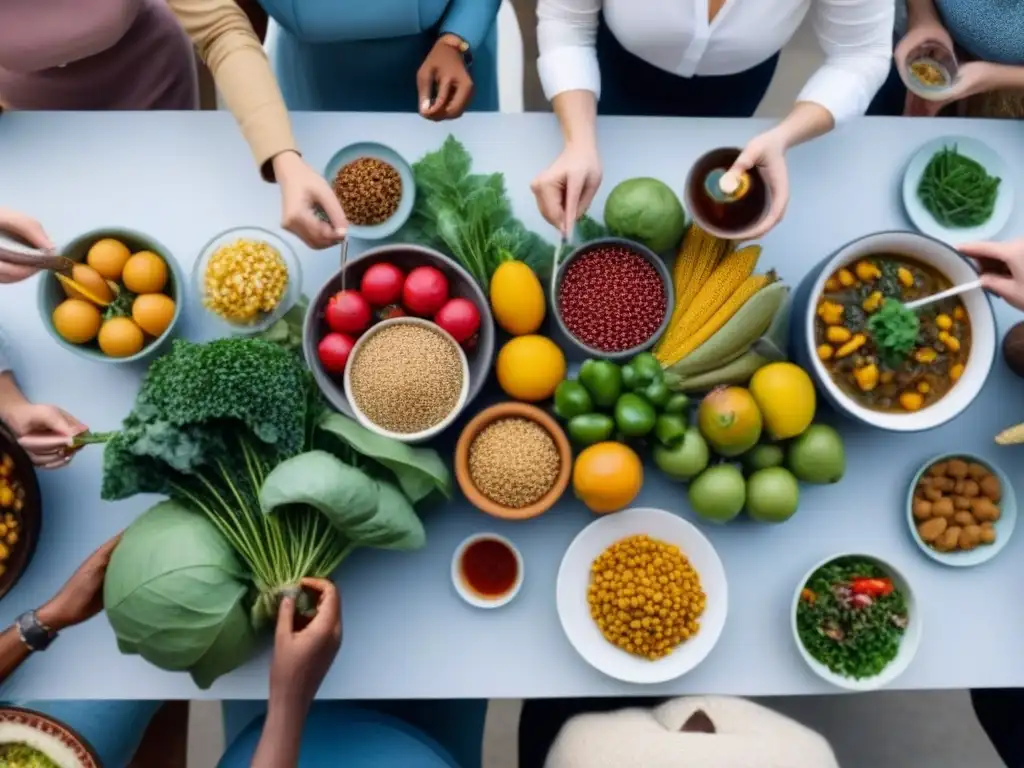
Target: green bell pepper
[
  {"x": 677, "y": 403},
  {"x": 669, "y": 429},
  {"x": 603, "y": 380},
  {"x": 590, "y": 428},
  {"x": 642, "y": 370},
  {"x": 656, "y": 393},
  {"x": 572, "y": 399},
  {"x": 634, "y": 416}
]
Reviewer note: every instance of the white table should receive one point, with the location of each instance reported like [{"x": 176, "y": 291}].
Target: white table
[{"x": 184, "y": 177}]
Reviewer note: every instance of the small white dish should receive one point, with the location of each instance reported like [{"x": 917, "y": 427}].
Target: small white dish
[
  {"x": 908, "y": 646},
  {"x": 407, "y": 437},
  {"x": 994, "y": 165},
  {"x": 1004, "y": 525},
  {"x": 574, "y": 579},
  {"x": 466, "y": 592}
]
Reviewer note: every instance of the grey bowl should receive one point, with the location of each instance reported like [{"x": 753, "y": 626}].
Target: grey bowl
[
  {"x": 406, "y": 258},
  {"x": 641, "y": 250},
  {"x": 353, "y": 152},
  {"x": 50, "y": 292}
]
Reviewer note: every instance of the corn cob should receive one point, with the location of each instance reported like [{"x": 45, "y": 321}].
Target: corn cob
[
  {"x": 1012, "y": 436},
  {"x": 697, "y": 259}
]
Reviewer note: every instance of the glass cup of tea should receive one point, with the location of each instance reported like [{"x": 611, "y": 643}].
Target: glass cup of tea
[
  {"x": 720, "y": 203},
  {"x": 930, "y": 70}
]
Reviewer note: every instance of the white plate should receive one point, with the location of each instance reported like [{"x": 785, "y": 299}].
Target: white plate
[
  {"x": 908, "y": 646},
  {"x": 994, "y": 165},
  {"x": 574, "y": 578}
]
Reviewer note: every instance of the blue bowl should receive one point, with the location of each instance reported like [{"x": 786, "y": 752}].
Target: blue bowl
[
  {"x": 929, "y": 251},
  {"x": 51, "y": 293},
  {"x": 386, "y": 154}
]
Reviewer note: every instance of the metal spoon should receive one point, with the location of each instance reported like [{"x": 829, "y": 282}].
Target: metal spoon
[{"x": 956, "y": 290}]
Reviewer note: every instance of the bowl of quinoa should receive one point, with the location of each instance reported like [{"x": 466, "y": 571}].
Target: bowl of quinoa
[
  {"x": 406, "y": 379},
  {"x": 513, "y": 461},
  {"x": 613, "y": 298},
  {"x": 375, "y": 186}
]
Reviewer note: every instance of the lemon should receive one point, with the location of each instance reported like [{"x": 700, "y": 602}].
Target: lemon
[
  {"x": 530, "y": 367},
  {"x": 784, "y": 394},
  {"x": 517, "y": 298},
  {"x": 607, "y": 476}
]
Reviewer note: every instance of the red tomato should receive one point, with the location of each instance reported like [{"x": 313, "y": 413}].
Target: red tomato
[
  {"x": 333, "y": 351},
  {"x": 382, "y": 284},
  {"x": 460, "y": 318},
  {"x": 347, "y": 312},
  {"x": 425, "y": 291}
]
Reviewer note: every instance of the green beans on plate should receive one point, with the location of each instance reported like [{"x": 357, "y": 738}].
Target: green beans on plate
[
  {"x": 851, "y": 617},
  {"x": 957, "y": 190}
]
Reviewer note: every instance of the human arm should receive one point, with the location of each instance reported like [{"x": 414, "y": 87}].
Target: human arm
[
  {"x": 225, "y": 40},
  {"x": 79, "y": 599},
  {"x": 302, "y": 656},
  {"x": 470, "y": 20}
]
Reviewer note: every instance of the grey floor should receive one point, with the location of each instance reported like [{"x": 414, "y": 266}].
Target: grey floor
[{"x": 934, "y": 729}]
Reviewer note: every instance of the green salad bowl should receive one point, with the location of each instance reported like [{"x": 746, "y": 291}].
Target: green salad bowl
[{"x": 51, "y": 292}]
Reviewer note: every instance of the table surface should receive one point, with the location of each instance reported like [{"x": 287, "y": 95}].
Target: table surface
[{"x": 184, "y": 177}]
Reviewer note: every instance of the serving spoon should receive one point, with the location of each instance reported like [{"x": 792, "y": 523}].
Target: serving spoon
[
  {"x": 12, "y": 252},
  {"x": 956, "y": 290}
]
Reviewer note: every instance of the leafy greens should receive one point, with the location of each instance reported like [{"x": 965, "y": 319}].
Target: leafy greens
[{"x": 894, "y": 330}]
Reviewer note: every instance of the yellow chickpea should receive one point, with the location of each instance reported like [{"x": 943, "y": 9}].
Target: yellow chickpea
[
  {"x": 925, "y": 355},
  {"x": 911, "y": 401},
  {"x": 956, "y": 371},
  {"x": 905, "y": 276},
  {"x": 945, "y": 322},
  {"x": 846, "y": 278},
  {"x": 959, "y": 313},
  {"x": 952, "y": 342},
  {"x": 837, "y": 334}
]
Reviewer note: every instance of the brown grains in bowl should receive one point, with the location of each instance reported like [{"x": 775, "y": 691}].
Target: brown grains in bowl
[
  {"x": 406, "y": 378},
  {"x": 514, "y": 462},
  {"x": 369, "y": 191}
]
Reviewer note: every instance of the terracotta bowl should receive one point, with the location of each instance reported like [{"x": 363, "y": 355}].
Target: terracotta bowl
[{"x": 484, "y": 419}]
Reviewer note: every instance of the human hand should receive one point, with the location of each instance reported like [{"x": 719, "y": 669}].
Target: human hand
[
  {"x": 567, "y": 187},
  {"x": 1002, "y": 268},
  {"x": 303, "y": 190},
  {"x": 303, "y": 656},
  {"x": 767, "y": 153},
  {"x": 24, "y": 228},
  {"x": 44, "y": 431},
  {"x": 445, "y": 70},
  {"x": 81, "y": 597}
]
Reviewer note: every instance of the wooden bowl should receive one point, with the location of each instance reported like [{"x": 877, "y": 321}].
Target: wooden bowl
[{"x": 484, "y": 419}]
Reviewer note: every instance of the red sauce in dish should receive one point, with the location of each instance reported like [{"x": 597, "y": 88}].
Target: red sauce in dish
[{"x": 489, "y": 568}]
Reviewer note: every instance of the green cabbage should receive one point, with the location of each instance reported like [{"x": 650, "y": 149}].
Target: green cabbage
[
  {"x": 648, "y": 211},
  {"x": 176, "y": 594}
]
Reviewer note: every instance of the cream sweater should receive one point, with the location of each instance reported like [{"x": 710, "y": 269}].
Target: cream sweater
[{"x": 746, "y": 735}]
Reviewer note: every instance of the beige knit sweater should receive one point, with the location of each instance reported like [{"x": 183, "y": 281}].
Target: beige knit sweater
[{"x": 691, "y": 732}]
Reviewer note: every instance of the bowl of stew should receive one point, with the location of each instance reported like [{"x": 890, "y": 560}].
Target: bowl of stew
[{"x": 944, "y": 363}]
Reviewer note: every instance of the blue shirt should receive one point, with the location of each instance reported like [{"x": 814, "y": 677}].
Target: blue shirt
[{"x": 990, "y": 30}]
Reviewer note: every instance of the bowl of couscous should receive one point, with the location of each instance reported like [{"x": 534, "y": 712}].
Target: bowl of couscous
[{"x": 247, "y": 278}]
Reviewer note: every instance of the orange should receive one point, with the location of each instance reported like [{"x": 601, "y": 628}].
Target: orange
[
  {"x": 530, "y": 367},
  {"x": 730, "y": 420},
  {"x": 86, "y": 283},
  {"x": 76, "y": 320},
  {"x": 144, "y": 272},
  {"x": 153, "y": 312},
  {"x": 607, "y": 476},
  {"x": 120, "y": 337},
  {"x": 108, "y": 257}
]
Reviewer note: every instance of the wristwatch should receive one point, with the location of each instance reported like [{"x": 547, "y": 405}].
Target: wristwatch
[
  {"x": 33, "y": 633},
  {"x": 460, "y": 45}
]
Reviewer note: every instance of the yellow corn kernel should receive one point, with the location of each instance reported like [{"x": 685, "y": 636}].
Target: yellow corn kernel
[
  {"x": 867, "y": 377},
  {"x": 956, "y": 371},
  {"x": 945, "y": 322},
  {"x": 698, "y": 256},
  {"x": 830, "y": 312},
  {"x": 959, "y": 313},
  {"x": 925, "y": 355},
  {"x": 846, "y": 278},
  {"x": 832, "y": 285},
  {"x": 952, "y": 342},
  {"x": 866, "y": 271},
  {"x": 837, "y": 334},
  {"x": 852, "y": 345},
  {"x": 12, "y": 538},
  {"x": 887, "y": 376},
  {"x": 911, "y": 401},
  {"x": 824, "y": 352},
  {"x": 924, "y": 387},
  {"x": 872, "y": 302},
  {"x": 905, "y": 277}
]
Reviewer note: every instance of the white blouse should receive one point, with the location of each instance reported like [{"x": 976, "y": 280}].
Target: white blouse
[{"x": 675, "y": 35}]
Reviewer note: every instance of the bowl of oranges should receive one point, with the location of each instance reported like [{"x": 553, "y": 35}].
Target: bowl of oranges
[{"x": 119, "y": 302}]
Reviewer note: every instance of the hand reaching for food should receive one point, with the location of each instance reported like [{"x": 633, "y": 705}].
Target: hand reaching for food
[
  {"x": 1002, "y": 268},
  {"x": 23, "y": 228},
  {"x": 767, "y": 152},
  {"x": 567, "y": 187},
  {"x": 303, "y": 191},
  {"x": 44, "y": 431},
  {"x": 81, "y": 597}
]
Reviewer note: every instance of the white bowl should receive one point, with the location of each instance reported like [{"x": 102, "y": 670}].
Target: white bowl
[
  {"x": 983, "y": 330},
  {"x": 908, "y": 646},
  {"x": 407, "y": 437},
  {"x": 574, "y": 579},
  {"x": 467, "y": 594}
]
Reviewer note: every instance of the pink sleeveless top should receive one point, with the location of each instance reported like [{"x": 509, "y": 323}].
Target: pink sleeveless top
[{"x": 94, "y": 55}]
